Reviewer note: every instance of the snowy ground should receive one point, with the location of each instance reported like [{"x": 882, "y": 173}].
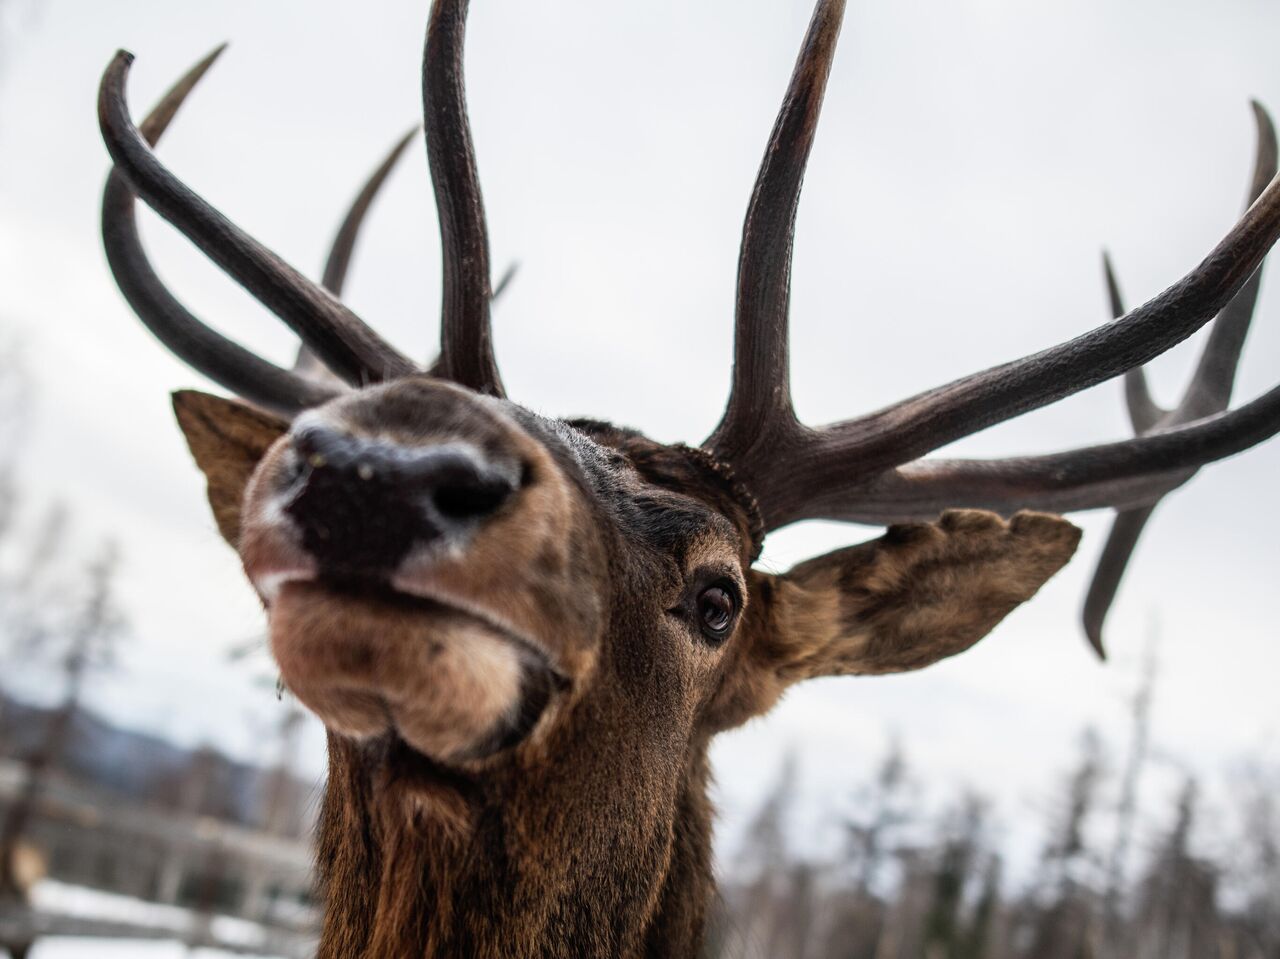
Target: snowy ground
[
  {"x": 119, "y": 949},
  {"x": 57, "y": 897},
  {"x": 62, "y": 899}
]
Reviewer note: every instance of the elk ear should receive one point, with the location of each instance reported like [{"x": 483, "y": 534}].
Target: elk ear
[
  {"x": 227, "y": 439},
  {"x": 918, "y": 594}
]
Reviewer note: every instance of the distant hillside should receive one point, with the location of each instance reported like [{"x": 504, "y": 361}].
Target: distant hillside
[{"x": 152, "y": 771}]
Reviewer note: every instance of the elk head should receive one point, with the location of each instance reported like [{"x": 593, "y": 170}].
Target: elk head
[{"x": 522, "y": 632}]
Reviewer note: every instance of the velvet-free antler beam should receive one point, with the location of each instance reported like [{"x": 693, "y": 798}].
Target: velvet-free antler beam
[
  {"x": 1144, "y": 411},
  {"x": 1124, "y": 474},
  {"x": 759, "y": 410},
  {"x": 222, "y": 360},
  {"x": 919, "y": 425},
  {"x": 466, "y": 341},
  {"x": 344, "y": 241},
  {"x": 340, "y": 338}
]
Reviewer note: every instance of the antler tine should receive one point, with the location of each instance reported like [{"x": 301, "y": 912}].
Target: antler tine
[
  {"x": 504, "y": 281},
  {"x": 466, "y": 340},
  {"x": 759, "y": 413},
  {"x": 1127, "y": 527},
  {"x": 1122, "y": 540},
  {"x": 1209, "y": 392},
  {"x": 923, "y": 423},
  {"x": 1214, "y": 378},
  {"x": 337, "y": 335},
  {"x": 222, "y": 360},
  {"x": 1124, "y": 474},
  {"x": 1144, "y": 412},
  {"x": 344, "y": 242}
]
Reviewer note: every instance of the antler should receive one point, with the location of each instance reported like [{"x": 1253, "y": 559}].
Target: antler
[
  {"x": 222, "y": 360},
  {"x": 1209, "y": 392},
  {"x": 331, "y": 334},
  {"x": 868, "y": 469},
  {"x": 339, "y": 337},
  {"x": 759, "y": 418},
  {"x": 334, "y": 277},
  {"x": 339, "y": 260},
  {"x": 466, "y": 343}
]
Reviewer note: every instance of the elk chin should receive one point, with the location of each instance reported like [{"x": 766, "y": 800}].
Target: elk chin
[{"x": 369, "y": 662}]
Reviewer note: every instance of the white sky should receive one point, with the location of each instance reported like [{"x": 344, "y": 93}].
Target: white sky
[{"x": 973, "y": 158}]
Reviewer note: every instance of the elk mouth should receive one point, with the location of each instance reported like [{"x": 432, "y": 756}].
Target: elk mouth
[{"x": 375, "y": 662}]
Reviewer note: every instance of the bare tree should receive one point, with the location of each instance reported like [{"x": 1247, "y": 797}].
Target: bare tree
[
  {"x": 14, "y": 393},
  {"x": 1178, "y": 909},
  {"x": 91, "y": 639},
  {"x": 947, "y": 933},
  {"x": 764, "y": 858},
  {"x": 1255, "y": 870},
  {"x": 885, "y": 810},
  {"x": 1063, "y": 926},
  {"x": 882, "y": 811},
  {"x": 1126, "y": 808}
]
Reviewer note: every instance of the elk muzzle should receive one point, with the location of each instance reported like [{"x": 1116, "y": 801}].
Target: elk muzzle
[
  {"x": 422, "y": 558},
  {"x": 362, "y": 504}
]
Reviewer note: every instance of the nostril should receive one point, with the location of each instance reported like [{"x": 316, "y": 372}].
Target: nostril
[
  {"x": 362, "y": 503},
  {"x": 310, "y": 442},
  {"x": 469, "y": 502}
]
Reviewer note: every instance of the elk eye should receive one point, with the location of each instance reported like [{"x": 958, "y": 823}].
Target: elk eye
[{"x": 717, "y": 607}]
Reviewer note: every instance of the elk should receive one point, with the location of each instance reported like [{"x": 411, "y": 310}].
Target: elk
[{"x": 522, "y": 633}]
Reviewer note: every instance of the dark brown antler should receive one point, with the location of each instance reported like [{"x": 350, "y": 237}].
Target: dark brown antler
[
  {"x": 222, "y": 360},
  {"x": 1209, "y": 392},
  {"x": 466, "y": 344},
  {"x": 333, "y": 338},
  {"x": 759, "y": 418},
  {"x": 339, "y": 337},
  {"x": 339, "y": 260},
  {"x": 868, "y": 469},
  {"x": 344, "y": 242},
  {"x": 796, "y": 472}
]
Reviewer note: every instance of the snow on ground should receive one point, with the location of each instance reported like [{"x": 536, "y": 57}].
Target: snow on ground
[
  {"x": 78, "y": 901},
  {"x": 56, "y": 948}
]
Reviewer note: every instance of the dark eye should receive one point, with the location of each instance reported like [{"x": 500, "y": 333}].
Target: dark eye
[{"x": 717, "y": 607}]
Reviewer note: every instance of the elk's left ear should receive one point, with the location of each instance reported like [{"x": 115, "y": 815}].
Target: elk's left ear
[
  {"x": 916, "y": 595},
  {"x": 227, "y": 439}
]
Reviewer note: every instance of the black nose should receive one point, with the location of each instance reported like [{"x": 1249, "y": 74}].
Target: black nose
[{"x": 362, "y": 503}]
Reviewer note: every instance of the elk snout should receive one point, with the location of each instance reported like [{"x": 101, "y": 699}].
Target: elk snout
[{"x": 362, "y": 503}]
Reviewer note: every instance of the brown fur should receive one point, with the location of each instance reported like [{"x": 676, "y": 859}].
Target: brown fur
[
  {"x": 228, "y": 440},
  {"x": 591, "y": 834}
]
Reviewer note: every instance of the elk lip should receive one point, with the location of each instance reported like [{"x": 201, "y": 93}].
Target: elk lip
[
  {"x": 373, "y": 661},
  {"x": 406, "y": 592}
]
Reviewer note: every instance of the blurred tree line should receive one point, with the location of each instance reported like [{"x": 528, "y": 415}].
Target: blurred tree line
[
  {"x": 61, "y": 628},
  {"x": 910, "y": 882},
  {"x": 59, "y": 617}
]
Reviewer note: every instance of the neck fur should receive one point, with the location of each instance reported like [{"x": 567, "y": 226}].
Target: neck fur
[{"x": 528, "y": 863}]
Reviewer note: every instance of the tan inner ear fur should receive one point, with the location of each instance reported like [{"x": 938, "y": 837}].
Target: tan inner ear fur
[
  {"x": 918, "y": 594},
  {"x": 227, "y": 439}
]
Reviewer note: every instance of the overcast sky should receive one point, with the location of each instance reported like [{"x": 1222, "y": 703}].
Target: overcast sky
[{"x": 974, "y": 157}]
